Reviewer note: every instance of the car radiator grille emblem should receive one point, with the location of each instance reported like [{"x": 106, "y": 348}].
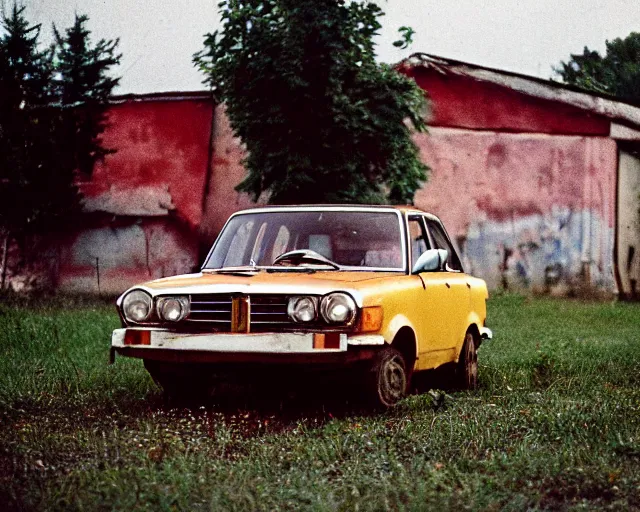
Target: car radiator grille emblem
[{"x": 240, "y": 314}]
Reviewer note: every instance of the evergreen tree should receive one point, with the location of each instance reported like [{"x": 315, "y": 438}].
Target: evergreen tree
[
  {"x": 83, "y": 86},
  {"x": 321, "y": 120},
  {"x": 51, "y": 115},
  {"x": 24, "y": 88}
]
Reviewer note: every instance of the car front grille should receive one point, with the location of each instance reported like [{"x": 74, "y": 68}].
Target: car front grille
[
  {"x": 215, "y": 311},
  {"x": 269, "y": 311}
]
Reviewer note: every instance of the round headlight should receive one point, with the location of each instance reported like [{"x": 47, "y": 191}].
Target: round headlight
[
  {"x": 173, "y": 309},
  {"x": 338, "y": 308},
  {"x": 302, "y": 309},
  {"x": 136, "y": 306}
]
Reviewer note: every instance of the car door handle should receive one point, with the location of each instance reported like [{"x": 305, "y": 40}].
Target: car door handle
[
  {"x": 469, "y": 285},
  {"x": 448, "y": 285}
]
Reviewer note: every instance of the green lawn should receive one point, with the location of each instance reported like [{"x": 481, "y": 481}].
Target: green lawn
[{"x": 555, "y": 425}]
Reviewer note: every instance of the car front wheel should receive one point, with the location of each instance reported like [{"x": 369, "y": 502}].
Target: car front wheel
[{"x": 387, "y": 378}]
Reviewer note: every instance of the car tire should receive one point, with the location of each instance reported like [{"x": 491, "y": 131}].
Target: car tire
[
  {"x": 466, "y": 371},
  {"x": 387, "y": 378}
]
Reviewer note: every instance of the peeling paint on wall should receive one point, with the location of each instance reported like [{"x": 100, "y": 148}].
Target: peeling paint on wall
[
  {"x": 110, "y": 259},
  {"x": 154, "y": 187},
  {"x": 141, "y": 201},
  {"x": 529, "y": 211},
  {"x": 161, "y": 150},
  {"x": 555, "y": 252}
]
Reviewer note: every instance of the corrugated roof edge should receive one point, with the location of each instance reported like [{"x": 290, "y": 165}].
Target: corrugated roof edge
[
  {"x": 602, "y": 104},
  {"x": 161, "y": 96}
]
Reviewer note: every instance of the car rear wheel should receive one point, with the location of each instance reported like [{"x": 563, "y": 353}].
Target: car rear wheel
[
  {"x": 387, "y": 378},
  {"x": 466, "y": 372}
]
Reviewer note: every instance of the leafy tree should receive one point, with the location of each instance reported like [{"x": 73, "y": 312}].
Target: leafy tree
[
  {"x": 617, "y": 73},
  {"x": 321, "y": 120},
  {"x": 51, "y": 114}
]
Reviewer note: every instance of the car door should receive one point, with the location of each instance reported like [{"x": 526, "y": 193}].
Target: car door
[
  {"x": 456, "y": 282},
  {"x": 436, "y": 300}
]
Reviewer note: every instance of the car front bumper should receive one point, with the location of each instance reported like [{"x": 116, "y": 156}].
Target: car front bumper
[{"x": 166, "y": 345}]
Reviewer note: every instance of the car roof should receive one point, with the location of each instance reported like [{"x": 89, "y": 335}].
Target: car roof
[{"x": 401, "y": 208}]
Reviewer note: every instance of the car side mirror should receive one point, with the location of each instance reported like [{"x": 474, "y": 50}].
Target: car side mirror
[{"x": 431, "y": 260}]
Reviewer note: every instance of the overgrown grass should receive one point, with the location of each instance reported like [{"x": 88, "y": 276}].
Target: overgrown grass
[{"x": 555, "y": 425}]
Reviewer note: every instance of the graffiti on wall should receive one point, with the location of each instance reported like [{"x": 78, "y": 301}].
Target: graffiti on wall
[
  {"x": 553, "y": 252},
  {"x": 527, "y": 210}
]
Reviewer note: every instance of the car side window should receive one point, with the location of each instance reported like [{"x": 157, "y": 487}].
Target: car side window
[
  {"x": 417, "y": 238},
  {"x": 441, "y": 241}
]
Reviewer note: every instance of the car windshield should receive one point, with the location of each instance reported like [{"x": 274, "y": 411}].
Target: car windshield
[{"x": 354, "y": 240}]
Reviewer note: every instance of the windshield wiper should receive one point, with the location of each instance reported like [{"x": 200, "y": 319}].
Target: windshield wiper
[
  {"x": 239, "y": 271},
  {"x": 296, "y": 270},
  {"x": 305, "y": 256}
]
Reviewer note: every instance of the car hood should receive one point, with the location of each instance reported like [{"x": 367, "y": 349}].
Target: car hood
[{"x": 287, "y": 282}]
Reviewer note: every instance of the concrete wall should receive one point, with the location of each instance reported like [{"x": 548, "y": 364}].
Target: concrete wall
[
  {"x": 629, "y": 224},
  {"x": 145, "y": 201},
  {"x": 107, "y": 258},
  {"x": 525, "y": 186},
  {"x": 527, "y": 210}
]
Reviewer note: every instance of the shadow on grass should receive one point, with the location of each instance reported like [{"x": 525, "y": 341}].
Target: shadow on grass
[
  {"x": 312, "y": 400},
  {"x": 267, "y": 405}
]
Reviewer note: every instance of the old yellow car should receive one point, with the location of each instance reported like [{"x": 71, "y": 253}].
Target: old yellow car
[{"x": 377, "y": 290}]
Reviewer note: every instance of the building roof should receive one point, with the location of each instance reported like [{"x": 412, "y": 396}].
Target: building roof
[
  {"x": 625, "y": 115},
  {"x": 611, "y": 107}
]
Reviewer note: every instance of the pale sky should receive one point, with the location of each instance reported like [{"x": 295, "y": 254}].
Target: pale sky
[{"x": 158, "y": 37}]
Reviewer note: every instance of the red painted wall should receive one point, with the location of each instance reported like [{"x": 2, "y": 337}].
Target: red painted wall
[
  {"x": 525, "y": 185},
  {"x": 462, "y": 102},
  {"x": 154, "y": 187},
  {"x": 522, "y": 205},
  {"x": 162, "y": 147}
]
